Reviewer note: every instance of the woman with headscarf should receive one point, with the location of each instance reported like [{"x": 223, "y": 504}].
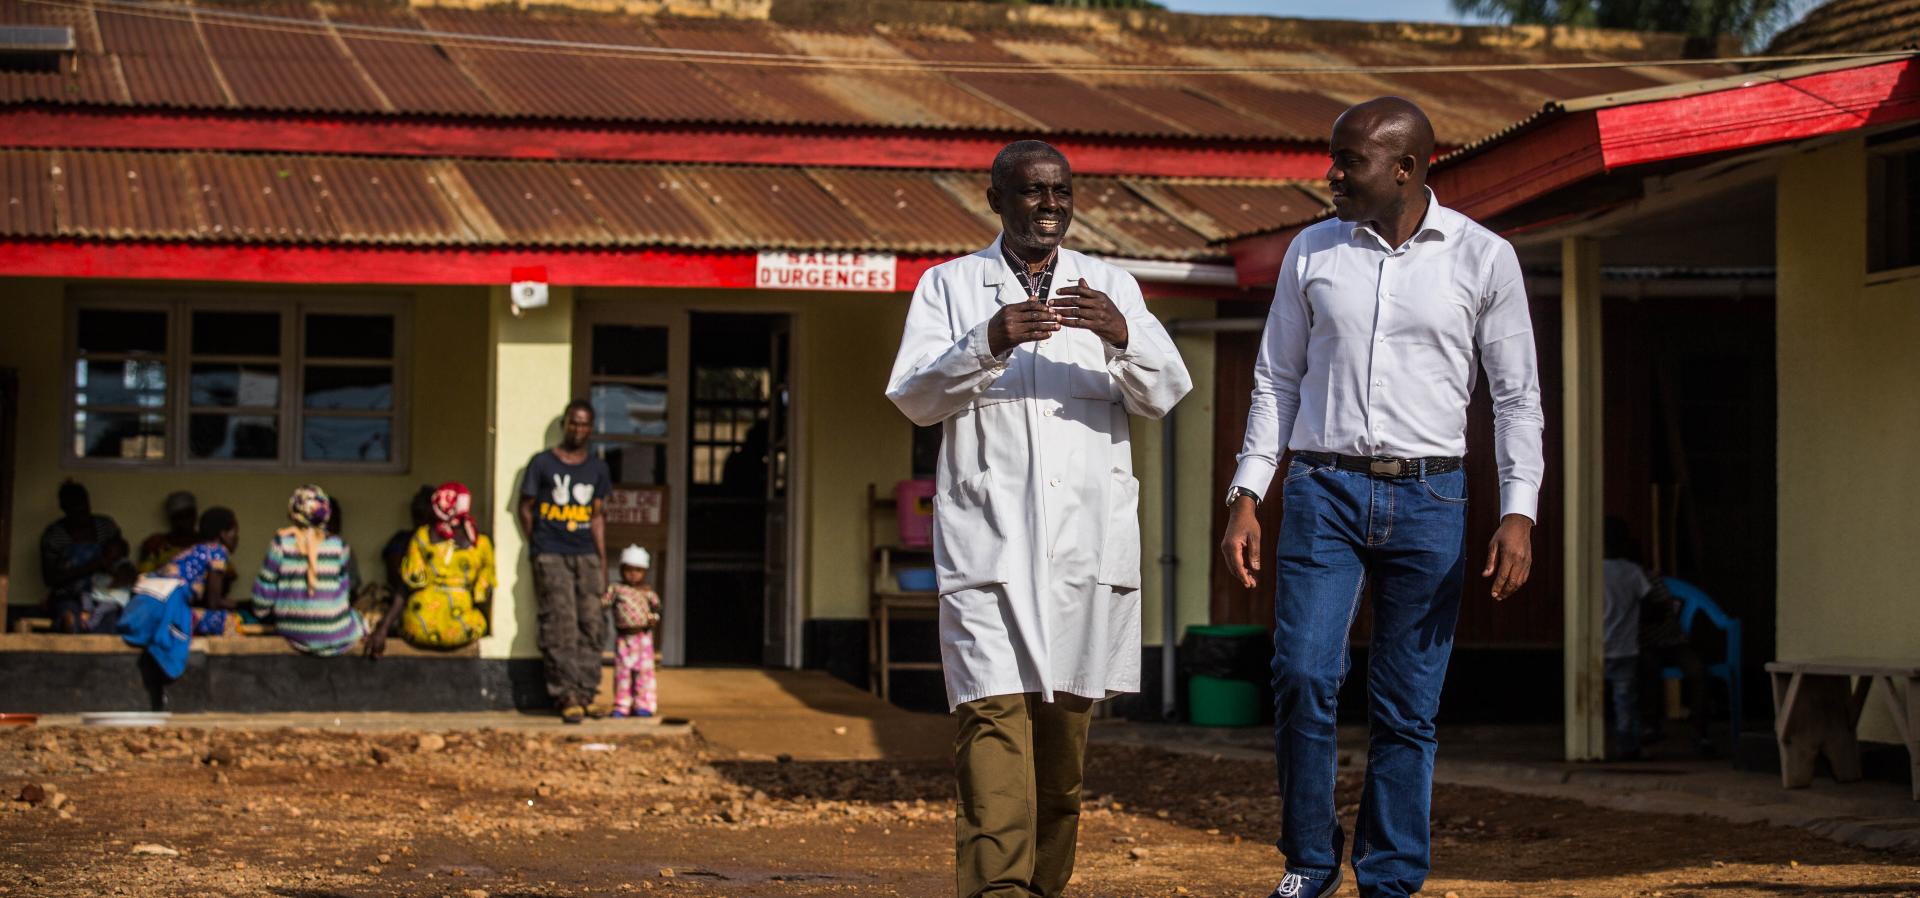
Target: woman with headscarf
[
  {"x": 303, "y": 589},
  {"x": 449, "y": 573}
]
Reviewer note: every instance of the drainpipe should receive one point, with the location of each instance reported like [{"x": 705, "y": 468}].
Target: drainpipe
[{"x": 1169, "y": 519}]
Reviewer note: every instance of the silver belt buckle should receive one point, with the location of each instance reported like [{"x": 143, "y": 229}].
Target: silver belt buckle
[{"x": 1386, "y": 467}]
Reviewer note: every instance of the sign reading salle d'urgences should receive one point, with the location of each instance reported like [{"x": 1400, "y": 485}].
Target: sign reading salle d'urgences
[{"x": 825, "y": 271}]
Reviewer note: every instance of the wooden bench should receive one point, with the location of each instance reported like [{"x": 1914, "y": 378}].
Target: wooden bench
[{"x": 1817, "y": 705}]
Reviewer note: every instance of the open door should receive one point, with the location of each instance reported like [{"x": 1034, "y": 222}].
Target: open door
[{"x": 780, "y": 638}]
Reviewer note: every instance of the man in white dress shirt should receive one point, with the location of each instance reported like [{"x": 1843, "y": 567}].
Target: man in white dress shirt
[
  {"x": 1031, "y": 357},
  {"x": 1365, "y": 372}
]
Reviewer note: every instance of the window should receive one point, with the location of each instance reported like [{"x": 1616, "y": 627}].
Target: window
[
  {"x": 1893, "y": 203},
  {"x": 628, "y": 385},
  {"x": 237, "y": 381}
]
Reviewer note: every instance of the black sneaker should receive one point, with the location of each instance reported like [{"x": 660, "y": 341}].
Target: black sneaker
[{"x": 1299, "y": 885}]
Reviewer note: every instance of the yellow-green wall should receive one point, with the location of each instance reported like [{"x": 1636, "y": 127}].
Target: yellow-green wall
[
  {"x": 487, "y": 387},
  {"x": 1847, "y": 369},
  {"x": 448, "y": 433}
]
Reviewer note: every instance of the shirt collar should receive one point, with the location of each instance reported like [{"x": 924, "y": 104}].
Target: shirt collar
[{"x": 1439, "y": 221}]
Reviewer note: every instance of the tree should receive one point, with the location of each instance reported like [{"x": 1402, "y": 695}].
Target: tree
[{"x": 1747, "y": 20}]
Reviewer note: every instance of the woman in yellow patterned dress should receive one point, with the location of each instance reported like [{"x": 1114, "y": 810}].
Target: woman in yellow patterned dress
[{"x": 449, "y": 568}]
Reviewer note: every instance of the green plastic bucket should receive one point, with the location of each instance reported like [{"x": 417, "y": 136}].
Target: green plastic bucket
[
  {"x": 1217, "y": 702},
  {"x": 1213, "y": 702}
]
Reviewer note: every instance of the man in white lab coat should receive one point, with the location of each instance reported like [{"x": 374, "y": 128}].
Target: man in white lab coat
[{"x": 1031, "y": 357}]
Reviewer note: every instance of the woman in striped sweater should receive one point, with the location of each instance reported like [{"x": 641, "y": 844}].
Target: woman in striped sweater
[{"x": 303, "y": 588}]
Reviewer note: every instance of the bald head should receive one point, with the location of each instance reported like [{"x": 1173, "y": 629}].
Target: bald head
[
  {"x": 1397, "y": 125},
  {"x": 1379, "y": 152}
]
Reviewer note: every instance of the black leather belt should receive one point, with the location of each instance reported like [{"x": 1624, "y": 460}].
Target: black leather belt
[{"x": 1382, "y": 467}]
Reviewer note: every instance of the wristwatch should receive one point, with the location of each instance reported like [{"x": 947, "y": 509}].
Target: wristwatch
[{"x": 1238, "y": 491}]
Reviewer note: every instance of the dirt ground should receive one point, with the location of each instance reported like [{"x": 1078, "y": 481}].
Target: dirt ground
[{"x": 306, "y": 814}]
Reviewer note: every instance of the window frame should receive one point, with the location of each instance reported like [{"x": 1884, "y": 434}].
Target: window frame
[
  {"x": 178, "y": 358},
  {"x": 1880, "y": 151}
]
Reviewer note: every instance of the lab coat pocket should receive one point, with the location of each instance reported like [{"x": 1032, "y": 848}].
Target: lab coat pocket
[
  {"x": 1120, "y": 554},
  {"x": 1005, "y": 388},
  {"x": 969, "y": 540},
  {"x": 1087, "y": 375}
]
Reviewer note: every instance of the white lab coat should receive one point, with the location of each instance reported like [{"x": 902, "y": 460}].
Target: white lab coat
[{"x": 1036, "y": 518}]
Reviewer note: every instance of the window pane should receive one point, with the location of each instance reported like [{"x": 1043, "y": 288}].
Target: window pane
[
  {"x": 634, "y": 463},
  {"x": 119, "y": 435},
  {"x": 236, "y": 333},
  {"x": 214, "y": 383},
  {"x": 253, "y": 437},
  {"x": 360, "y": 389},
  {"x": 139, "y": 383},
  {"x": 625, "y": 350},
  {"x": 329, "y": 438},
  {"x": 630, "y": 411},
  {"x": 120, "y": 330},
  {"x": 350, "y": 336}
]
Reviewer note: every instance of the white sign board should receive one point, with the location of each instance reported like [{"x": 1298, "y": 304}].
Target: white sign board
[{"x": 860, "y": 272}]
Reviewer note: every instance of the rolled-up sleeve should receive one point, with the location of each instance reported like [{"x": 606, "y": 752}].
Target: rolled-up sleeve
[
  {"x": 936, "y": 373},
  {"x": 1507, "y": 353},
  {"x": 1149, "y": 371},
  {"x": 1277, "y": 373}
]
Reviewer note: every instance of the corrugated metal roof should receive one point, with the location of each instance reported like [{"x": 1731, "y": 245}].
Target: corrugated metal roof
[
  {"x": 1843, "y": 26},
  {"x": 314, "y": 62},
  {"x": 296, "y": 199}
]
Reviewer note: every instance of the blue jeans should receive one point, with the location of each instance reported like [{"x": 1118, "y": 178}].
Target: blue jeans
[
  {"x": 1340, "y": 531},
  {"x": 1623, "y": 686}
]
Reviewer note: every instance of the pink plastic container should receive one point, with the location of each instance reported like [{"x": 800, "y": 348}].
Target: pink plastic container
[{"x": 913, "y": 502}]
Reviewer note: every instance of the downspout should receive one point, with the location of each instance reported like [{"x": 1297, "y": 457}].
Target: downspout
[{"x": 1169, "y": 518}]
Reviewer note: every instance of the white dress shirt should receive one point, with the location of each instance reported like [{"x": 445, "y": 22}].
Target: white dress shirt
[
  {"x": 1369, "y": 351},
  {"x": 1036, "y": 515}
]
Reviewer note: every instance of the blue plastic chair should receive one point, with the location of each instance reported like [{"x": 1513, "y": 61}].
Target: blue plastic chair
[{"x": 1694, "y": 604}]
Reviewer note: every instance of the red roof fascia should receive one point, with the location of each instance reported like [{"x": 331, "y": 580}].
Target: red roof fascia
[
  {"x": 1760, "y": 113},
  {"x": 255, "y": 263},
  {"x": 1580, "y": 145},
  {"x": 30, "y": 127}
]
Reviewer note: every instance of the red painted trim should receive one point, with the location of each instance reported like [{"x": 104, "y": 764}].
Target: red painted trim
[
  {"x": 257, "y": 263},
  {"x": 64, "y": 128},
  {"x": 1761, "y": 113}
]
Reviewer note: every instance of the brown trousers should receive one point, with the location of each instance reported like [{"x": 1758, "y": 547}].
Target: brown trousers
[{"x": 1018, "y": 761}]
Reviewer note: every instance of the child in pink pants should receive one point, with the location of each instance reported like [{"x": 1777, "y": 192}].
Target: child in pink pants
[{"x": 636, "y": 611}]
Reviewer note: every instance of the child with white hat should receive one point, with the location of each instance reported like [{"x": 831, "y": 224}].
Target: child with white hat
[{"x": 636, "y": 611}]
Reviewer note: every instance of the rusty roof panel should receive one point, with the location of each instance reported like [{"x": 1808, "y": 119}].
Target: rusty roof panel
[
  {"x": 284, "y": 198},
  {"x": 524, "y": 83},
  {"x": 385, "y": 201},
  {"x": 161, "y": 60},
  {"x": 414, "y": 75},
  {"x": 266, "y": 198},
  {"x": 778, "y": 201},
  {"x": 908, "y": 209},
  {"x": 1297, "y": 114},
  {"x": 534, "y": 204},
  {"x": 778, "y": 94},
  {"x": 647, "y": 88},
  {"x": 91, "y": 78},
  {"x": 1852, "y": 26},
  {"x": 27, "y": 188},
  {"x": 125, "y": 196},
  {"x": 1222, "y": 209},
  {"x": 647, "y": 205},
  {"x": 284, "y": 67}
]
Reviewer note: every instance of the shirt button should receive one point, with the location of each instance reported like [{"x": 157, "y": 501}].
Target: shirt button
[
  {"x": 1379, "y": 383},
  {"x": 1053, "y": 481},
  {"x": 1380, "y": 339},
  {"x": 1048, "y": 413}
]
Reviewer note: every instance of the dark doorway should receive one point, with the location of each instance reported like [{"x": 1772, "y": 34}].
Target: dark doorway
[
  {"x": 9, "y": 419},
  {"x": 736, "y": 493}
]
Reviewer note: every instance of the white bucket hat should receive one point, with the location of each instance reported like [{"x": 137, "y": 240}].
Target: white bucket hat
[{"x": 634, "y": 556}]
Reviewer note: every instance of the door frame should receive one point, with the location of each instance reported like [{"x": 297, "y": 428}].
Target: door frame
[
  {"x": 590, "y": 312},
  {"x": 675, "y": 311}
]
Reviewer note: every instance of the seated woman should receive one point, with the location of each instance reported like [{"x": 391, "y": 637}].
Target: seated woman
[
  {"x": 302, "y": 588},
  {"x": 72, "y": 550},
  {"x": 183, "y": 515},
  {"x": 159, "y": 616},
  {"x": 449, "y": 570}
]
